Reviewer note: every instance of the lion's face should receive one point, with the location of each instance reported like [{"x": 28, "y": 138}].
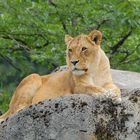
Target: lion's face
[{"x": 82, "y": 51}]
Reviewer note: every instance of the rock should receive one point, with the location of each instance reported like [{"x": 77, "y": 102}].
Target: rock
[
  {"x": 126, "y": 79},
  {"x": 76, "y": 117}
]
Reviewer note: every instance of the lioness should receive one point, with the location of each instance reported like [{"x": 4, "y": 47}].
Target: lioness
[{"x": 88, "y": 72}]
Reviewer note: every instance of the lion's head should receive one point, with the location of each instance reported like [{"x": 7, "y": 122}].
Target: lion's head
[{"x": 82, "y": 52}]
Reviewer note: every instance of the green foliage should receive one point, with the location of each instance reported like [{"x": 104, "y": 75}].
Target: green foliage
[
  {"x": 32, "y": 34},
  {"x": 4, "y": 101}
]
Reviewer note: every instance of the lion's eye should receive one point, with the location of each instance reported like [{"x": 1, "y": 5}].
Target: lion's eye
[
  {"x": 70, "y": 50},
  {"x": 84, "y": 48}
]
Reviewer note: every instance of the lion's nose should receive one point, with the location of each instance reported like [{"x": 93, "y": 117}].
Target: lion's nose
[{"x": 74, "y": 62}]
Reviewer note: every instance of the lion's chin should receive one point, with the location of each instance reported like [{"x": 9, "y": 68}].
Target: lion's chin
[{"x": 79, "y": 72}]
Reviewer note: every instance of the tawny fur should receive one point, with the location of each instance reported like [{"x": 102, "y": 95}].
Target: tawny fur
[{"x": 91, "y": 74}]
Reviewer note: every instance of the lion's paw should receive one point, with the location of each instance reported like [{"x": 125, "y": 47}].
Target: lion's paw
[{"x": 111, "y": 95}]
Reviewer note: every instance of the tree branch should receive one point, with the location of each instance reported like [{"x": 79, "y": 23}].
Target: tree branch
[
  {"x": 13, "y": 38},
  {"x": 52, "y": 3},
  {"x": 131, "y": 60},
  {"x": 9, "y": 61},
  {"x": 101, "y": 23},
  {"x": 60, "y": 19},
  {"x": 125, "y": 58},
  {"x": 128, "y": 54},
  {"x": 22, "y": 34},
  {"x": 22, "y": 43},
  {"x": 120, "y": 42},
  {"x": 98, "y": 26}
]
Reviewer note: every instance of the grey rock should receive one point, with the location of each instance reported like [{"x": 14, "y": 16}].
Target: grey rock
[
  {"x": 76, "y": 117},
  {"x": 126, "y": 79}
]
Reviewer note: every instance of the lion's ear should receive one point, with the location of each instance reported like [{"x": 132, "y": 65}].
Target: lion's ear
[
  {"x": 68, "y": 39},
  {"x": 96, "y": 36}
]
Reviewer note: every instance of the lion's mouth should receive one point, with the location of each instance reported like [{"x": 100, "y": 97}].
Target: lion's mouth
[{"x": 76, "y": 69}]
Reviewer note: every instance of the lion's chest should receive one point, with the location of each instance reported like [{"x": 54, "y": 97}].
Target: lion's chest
[
  {"x": 98, "y": 81},
  {"x": 94, "y": 81},
  {"x": 87, "y": 80}
]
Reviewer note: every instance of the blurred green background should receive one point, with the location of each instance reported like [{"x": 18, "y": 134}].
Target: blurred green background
[{"x": 32, "y": 35}]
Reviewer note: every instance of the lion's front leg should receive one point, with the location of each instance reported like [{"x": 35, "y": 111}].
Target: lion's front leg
[
  {"x": 99, "y": 92},
  {"x": 89, "y": 89}
]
